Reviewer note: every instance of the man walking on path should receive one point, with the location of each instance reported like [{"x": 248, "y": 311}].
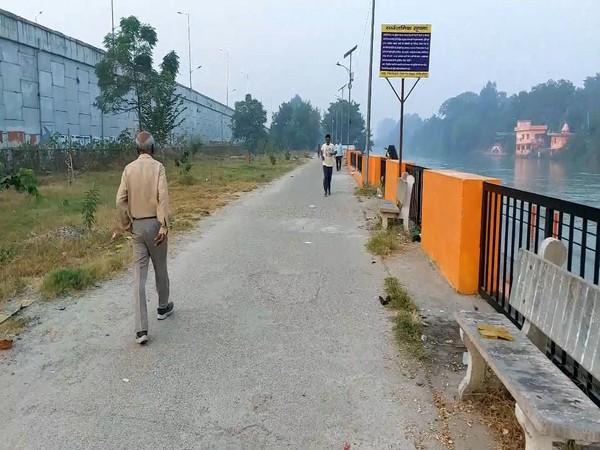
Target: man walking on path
[
  {"x": 327, "y": 153},
  {"x": 143, "y": 205},
  {"x": 339, "y": 154}
]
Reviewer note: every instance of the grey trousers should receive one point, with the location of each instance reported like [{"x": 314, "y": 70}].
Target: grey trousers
[{"x": 144, "y": 249}]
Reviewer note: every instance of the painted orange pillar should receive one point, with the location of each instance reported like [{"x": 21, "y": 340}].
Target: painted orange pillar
[
  {"x": 451, "y": 225},
  {"x": 392, "y": 173},
  {"x": 375, "y": 170}
]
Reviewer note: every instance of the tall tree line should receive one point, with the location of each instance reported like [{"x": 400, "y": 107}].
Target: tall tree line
[{"x": 469, "y": 122}]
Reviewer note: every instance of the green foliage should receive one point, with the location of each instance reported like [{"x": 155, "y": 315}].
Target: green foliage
[
  {"x": 383, "y": 242},
  {"x": 365, "y": 191},
  {"x": 66, "y": 280},
  {"x": 336, "y": 118},
  {"x": 89, "y": 207},
  {"x": 469, "y": 122},
  {"x": 129, "y": 83},
  {"x": 185, "y": 164},
  {"x": 296, "y": 126},
  {"x": 273, "y": 159},
  {"x": 7, "y": 254},
  {"x": 288, "y": 155},
  {"x": 408, "y": 327},
  {"x": 249, "y": 121},
  {"x": 164, "y": 111},
  {"x": 23, "y": 181}
]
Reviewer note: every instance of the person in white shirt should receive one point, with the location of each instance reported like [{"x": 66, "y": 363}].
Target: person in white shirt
[
  {"x": 327, "y": 155},
  {"x": 339, "y": 154}
]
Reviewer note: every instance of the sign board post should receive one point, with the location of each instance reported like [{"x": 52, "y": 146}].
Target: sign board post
[{"x": 405, "y": 51}]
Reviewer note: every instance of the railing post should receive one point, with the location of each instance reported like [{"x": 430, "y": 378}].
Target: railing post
[
  {"x": 483, "y": 239},
  {"x": 549, "y": 223}
]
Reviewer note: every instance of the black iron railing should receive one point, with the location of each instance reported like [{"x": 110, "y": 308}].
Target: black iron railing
[
  {"x": 359, "y": 159},
  {"x": 512, "y": 220},
  {"x": 416, "y": 202},
  {"x": 353, "y": 160}
]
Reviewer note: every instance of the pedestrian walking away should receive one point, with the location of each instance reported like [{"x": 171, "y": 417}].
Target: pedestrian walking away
[
  {"x": 339, "y": 155},
  {"x": 143, "y": 206},
  {"x": 327, "y": 154}
]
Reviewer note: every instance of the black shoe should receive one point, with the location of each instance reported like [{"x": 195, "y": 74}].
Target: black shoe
[
  {"x": 165, "y": 311},
  {"x": 141, "y": 337}
]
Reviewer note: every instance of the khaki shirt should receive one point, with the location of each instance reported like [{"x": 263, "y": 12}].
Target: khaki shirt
[
  {"x": 143, "y": 192},
  {"x": 328, "y": 152}
]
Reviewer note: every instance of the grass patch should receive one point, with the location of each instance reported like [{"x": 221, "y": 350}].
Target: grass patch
[
  {"x": 66, "y": 280},
  {"x": 366, "y": 191},
  {"x": 47, "y": 233},
  {"x": 385, "y": 242},
  {"x": 408, "y": 326}
]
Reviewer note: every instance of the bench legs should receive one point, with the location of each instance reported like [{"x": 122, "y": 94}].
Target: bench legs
[
  {"x": 475, "y": 376},
  {"x": 385, "y": 219},
  {"x": 533, "y": 439}
]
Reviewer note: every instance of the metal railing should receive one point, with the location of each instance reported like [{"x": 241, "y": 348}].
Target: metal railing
[
  {"x": 359, "y": 165},
  {"x": 416, "y": 201},
  {"x": 512, "y": 220}
]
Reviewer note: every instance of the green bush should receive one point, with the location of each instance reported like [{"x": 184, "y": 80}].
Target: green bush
[
  {"x": 273, "y": 159},
  {"x": 7, "y": 254},
  {"x": 288, "y": 155},
  {"x": 66, "y": 280},
  {"x": 90, "y": 206},
  {"x": 23, "y": 181}
]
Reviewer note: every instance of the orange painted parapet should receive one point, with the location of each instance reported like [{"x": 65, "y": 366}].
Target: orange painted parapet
[
  {"x": 392, "y": 173},
  {"x": 451, "y": 225},
  {"x": 375, "y": 169}
]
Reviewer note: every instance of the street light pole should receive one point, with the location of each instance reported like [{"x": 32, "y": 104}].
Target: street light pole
[
  {"x": 370, "y": 91},
  {"x": 227, "y": 77},
  {"x": 189, "y": 43},
  {"x": 112, "y": 17},
  {"x": 341, "y": 134},
  {"x": 350, "y": 80}
]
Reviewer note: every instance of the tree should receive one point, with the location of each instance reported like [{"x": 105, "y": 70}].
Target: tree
[
  {"x": 296, "y": 125},
  {"x": 163, "y": 113},
  {"x": 249, "y": 121},
  {"x": 338, "y": 112},
  {"x": 129, "y": 83}
]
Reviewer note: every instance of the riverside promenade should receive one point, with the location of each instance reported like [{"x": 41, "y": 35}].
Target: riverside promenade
[{"x": 277, "y": 341}]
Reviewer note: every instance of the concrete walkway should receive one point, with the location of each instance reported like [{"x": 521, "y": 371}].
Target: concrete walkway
[{"x": 277, "y": 342}]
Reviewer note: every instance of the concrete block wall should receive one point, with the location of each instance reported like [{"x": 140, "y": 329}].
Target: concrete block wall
[{"x": 48, "y": 86}]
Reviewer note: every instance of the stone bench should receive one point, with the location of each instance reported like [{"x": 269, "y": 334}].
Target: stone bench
[
  {"x": 390, "y": 210},
  {"x": 556, "y": 305}
]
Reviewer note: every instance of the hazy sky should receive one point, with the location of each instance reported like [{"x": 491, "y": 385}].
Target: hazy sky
[{"x": 279, "y": 48}]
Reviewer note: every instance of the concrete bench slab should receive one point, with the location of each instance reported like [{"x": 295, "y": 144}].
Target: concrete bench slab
[
  {"x": 388, "y": 210},
  {"x": 550, "y": 407}
]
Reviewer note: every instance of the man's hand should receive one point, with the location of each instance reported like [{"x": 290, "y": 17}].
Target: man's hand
[{"x": 160, "y": 237}]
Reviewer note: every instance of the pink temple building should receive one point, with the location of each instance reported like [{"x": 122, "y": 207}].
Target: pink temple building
[
  {"x": 535, "y": 140},
  {"x": 558, "y": 141},
  {"x": 529, "y": 138}
]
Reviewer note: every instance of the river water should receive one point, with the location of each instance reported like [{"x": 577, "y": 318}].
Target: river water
[{"x": 543, "y": 176}]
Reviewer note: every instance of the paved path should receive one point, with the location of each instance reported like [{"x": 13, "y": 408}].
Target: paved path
[{"x": 277, "y": 342}]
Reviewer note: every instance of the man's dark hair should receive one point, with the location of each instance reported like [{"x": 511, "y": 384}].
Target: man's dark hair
[{"x": 327, "y": 136}]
